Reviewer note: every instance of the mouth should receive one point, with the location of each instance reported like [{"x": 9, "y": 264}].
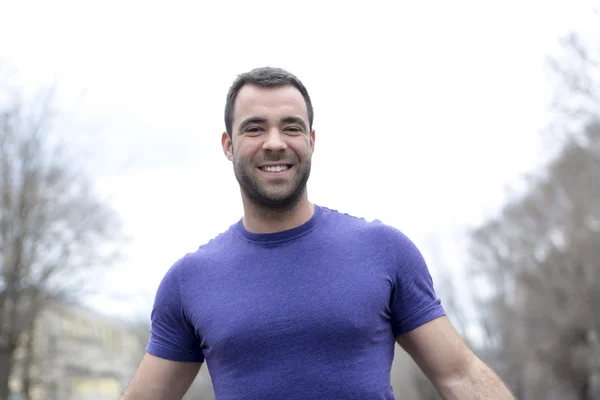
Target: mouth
[{"x": 280, "y": 168}]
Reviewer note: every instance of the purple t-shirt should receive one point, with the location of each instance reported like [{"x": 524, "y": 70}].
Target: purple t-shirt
[{"x": 309, "y": 313}]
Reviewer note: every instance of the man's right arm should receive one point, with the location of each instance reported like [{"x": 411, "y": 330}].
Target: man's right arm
[{"x": 160, "y": 379}]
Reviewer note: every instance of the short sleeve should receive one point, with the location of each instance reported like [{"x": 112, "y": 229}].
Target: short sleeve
[
  {"x": 414, "y": 301},
  {"x": 172, "y": 336}
]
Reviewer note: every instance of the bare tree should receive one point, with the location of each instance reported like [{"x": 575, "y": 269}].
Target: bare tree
[
  {"x": 539, "y": 259},
  {"x": 55, "y": 232}
]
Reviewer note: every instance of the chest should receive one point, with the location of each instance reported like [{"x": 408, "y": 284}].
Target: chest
[{"x": 272, "y": 300}]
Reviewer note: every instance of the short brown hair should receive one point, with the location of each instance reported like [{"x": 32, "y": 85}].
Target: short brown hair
[{"x": 264, "y": 77}]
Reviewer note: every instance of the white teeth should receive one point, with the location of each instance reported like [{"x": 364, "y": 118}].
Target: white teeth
[{"x": 275, "y": 168}]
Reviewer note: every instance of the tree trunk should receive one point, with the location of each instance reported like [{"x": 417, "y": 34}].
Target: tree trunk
[
  {"x": 6, "y": 354},
  {"x": 8, "y": 339},
  {"x": 28, "y": 362},
  {"x": 584, "y": 391},
  {"x": 8, "y": 342}
]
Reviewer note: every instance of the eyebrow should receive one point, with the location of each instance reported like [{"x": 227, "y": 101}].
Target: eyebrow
[
  {"x": 252, "y": 120},
  {"x": 295, "y": 120}
]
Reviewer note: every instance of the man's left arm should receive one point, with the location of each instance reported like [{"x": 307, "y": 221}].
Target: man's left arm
[{"x": 454, "y": 369}]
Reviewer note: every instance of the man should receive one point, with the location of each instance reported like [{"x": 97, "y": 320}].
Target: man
[{"x": 296, "y": 300}]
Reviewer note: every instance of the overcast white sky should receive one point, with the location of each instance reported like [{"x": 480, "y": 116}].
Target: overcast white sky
[{"x": 424, "y": 111}]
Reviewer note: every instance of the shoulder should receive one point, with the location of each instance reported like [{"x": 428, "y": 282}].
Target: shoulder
[
  {"x": 376, "y": 234},
  {"x": 193, "y": 262},
  {"x": 376, "y": 229}
]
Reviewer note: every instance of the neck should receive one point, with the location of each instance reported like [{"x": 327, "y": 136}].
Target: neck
[{"x": 260, "y": 220}]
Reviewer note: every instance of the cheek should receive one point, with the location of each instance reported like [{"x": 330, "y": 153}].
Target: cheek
[
  {"x": 243, "y": 154},
  {"x": 302, "y": 148}
]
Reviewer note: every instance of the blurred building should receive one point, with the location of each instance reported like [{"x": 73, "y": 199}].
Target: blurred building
[{"x": 79, "y": 355}]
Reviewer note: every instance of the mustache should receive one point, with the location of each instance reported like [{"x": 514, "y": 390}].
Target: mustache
[{"x": 273, "y": 158}]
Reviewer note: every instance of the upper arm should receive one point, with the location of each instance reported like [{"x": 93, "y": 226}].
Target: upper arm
[
  {"x": 160, "y": 379},
  {"x": 173, "y": 335},
  {"x": 438, "y": 350},
  {"x": 419, "y": 321},
  {"x": 174, "y": 353},
  {"x": 413, "y": 300}
]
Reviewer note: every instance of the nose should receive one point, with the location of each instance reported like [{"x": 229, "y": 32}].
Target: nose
[{"x": 274, "y": 141}]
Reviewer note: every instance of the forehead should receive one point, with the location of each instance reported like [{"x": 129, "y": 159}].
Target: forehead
[{"x": 265, "y": 102}]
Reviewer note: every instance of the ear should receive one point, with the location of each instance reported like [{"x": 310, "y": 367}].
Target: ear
[
  {"x": 312, "y": 141},
  {"x": 227, "y": 146}
]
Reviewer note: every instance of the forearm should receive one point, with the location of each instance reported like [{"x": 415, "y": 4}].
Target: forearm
[
  {"x": 148, "y": 392},
  {"x": 478, "y": 382},
  {"x": 160, "y": 379}
]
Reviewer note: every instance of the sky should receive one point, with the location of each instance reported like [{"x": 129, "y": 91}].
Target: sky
[{"x": 424, "y": 111}]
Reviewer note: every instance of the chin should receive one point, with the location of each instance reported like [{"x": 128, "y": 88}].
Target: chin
[{"x": 279, "y": 201}]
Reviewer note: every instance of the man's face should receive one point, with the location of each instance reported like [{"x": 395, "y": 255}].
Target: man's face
[{"x": 270, "y": 145}]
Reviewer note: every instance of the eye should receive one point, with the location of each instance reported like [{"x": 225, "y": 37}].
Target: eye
[
  {"x": 293, "y": 129},
  {"x": 253, "y": 129}
]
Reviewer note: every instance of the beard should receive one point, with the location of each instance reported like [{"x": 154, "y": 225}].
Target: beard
[{"x": 282, "y": 198}]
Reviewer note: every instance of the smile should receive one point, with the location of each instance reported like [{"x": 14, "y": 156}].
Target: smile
[{"x": 275, "y": 168}]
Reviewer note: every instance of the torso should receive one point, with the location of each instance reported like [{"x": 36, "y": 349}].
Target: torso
[{"x": 304, "y": 314}]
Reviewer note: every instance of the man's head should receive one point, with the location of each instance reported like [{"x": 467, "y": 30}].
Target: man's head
[{"x": 269, "y": 137}]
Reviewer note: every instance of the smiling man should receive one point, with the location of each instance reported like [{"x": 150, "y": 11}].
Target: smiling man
[{"x": 296, "y": 300}]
